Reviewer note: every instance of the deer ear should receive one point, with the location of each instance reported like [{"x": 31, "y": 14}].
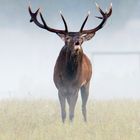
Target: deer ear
[
  {"x": 62, "y": 36},
  {"x": 87, "y": 37}
]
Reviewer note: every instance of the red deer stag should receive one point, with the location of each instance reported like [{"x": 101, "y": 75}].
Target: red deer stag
[{"x": 73, "y": 69}]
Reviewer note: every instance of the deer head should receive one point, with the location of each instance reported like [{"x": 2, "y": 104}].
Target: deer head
[{"x": 73, "y": 40}]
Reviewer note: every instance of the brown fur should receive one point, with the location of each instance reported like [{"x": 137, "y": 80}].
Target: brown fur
[{"x": 71, "y": 73}]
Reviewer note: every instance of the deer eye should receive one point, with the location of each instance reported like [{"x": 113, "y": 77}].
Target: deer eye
[{"x": 68, "y": 39}]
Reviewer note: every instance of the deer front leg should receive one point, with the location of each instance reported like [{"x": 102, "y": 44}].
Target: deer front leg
[
  {"x": 62, "y": 100},
  {"x": 72, "y": 99},
  {"x": 84, "y": 95}
]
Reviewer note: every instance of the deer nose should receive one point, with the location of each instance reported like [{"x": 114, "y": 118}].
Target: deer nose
[
  {"x": 77, "y": 47},
  {"x": 77, "y": 43}
]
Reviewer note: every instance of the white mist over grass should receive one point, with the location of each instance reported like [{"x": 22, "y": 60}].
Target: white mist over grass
[
  {"x": 26, "y": 63},
  {"x": 116, "y": 77},
  {"x": 28, "y": 54},
  {"x": 27, "y": 60}
]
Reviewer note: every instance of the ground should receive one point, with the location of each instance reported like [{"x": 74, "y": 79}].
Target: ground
[{"x": 40, "y": 120}]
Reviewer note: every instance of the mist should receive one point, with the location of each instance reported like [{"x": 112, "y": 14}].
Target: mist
[{"x": 28, "y": 54}]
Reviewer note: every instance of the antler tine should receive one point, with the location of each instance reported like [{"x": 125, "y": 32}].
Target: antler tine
[
  {"x": 41, "y": 16},
  {"x": 99, "y": 9},
  {"x": 64, "y": 21},
  {"x": 105, "y": 16},
  {"x": 34, "y": 17},
  {"x": 44, "y": 25},
  {"x": 82, "y": 27},
  {"x": 110, "y": 10}
]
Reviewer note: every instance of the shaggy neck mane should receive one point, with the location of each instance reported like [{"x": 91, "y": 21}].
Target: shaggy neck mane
[{"x": 73, "y": 64}]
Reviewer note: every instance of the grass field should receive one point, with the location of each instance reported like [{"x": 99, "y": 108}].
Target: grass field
[{"x": 40, "y": 120}]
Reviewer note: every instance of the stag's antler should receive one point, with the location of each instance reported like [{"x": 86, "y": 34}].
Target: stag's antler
[
  {"x": 44, "y": 25},
  {"x": 105, "y": 16},
  {"x": 84, "y": 22}
]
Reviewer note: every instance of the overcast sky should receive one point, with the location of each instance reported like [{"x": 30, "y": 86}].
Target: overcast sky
[{"x": 28, "y": 54}]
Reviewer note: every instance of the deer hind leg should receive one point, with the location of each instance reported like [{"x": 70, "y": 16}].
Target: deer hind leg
[
  {"x": 62, "y": 100},
  {"x": 84, "y": 96},
  {"x": 72, "y": 99}
]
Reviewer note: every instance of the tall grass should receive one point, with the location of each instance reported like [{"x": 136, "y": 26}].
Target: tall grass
[{"x": 40, "y": 120}]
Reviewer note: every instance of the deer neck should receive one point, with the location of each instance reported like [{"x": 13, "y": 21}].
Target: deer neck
[{"x": 73, "y": 63}]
